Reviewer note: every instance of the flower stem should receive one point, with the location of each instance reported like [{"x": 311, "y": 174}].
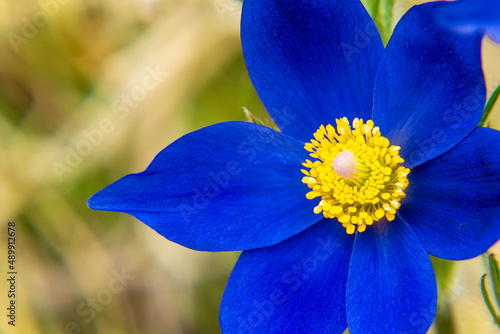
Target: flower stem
[
  {"x": 495, "y": 272},
  {"x": 445, "y": 272},
  {"x": 444, "y": 320},
  {"x": 489, "y": 107},
  {"x": 487, "y": 300},
  {"x": 382, "y": 13},
  {"x": 495, "y": 278}
]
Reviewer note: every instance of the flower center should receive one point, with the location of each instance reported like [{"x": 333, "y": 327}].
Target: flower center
[
  {"x": 345, "y": 164},
  {"x": 357, "y": 174}
]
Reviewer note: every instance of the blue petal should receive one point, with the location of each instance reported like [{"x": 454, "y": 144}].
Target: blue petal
[
  {"x": 453, "y": 202},
  {"x": 311, "y": 61},
  {"x": 230, "y": 186},
  {"x": 494, "y": 34},
  {"x": 470, "y": 15},
  {"x": 297, "y": 286},
  {"x": 429, "y": 90},
  {"x": 392, "y": 287}
]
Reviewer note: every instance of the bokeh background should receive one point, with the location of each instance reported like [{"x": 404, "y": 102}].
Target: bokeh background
[{"x": 93, "y": 90}]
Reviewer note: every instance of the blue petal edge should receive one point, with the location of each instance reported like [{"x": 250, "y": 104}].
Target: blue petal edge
[
  {"x": 392, "y": 287},
  {"x": 297, "y": 286},
  {"x": 429, "y": 89},
  {"x": 453, "y": 202},
  {"x": 230, "y": 186},
  {"x": 311, "y": 61},
  {"x": 469, "y": 15}
]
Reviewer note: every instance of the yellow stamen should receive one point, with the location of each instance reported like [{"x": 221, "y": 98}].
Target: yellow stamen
[{"x": 356, "y": 176}]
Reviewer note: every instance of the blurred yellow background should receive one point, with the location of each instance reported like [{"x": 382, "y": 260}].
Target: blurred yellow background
[{"x": 93, "y": 90}]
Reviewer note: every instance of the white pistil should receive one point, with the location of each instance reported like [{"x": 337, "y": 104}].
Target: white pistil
[{"x": 345, "y": 164}]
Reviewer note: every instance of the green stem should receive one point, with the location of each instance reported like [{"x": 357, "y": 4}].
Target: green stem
[
  {"x": 495, "y": 276},
  {"x": 445, "y": 271},
  {"x": 488, "y": 301},
  {"x": 382, "y": 13},
  {"x": 386, "y": 9},
  {"x": 444, "y": 320},
  {"x": 489, "y": 107}
]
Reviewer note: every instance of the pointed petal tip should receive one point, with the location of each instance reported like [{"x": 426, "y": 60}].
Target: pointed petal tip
[
  {"x": 97, "y": 202},
  {"x": 190, "y": 198},
  {"x": 108, "y": 199}
]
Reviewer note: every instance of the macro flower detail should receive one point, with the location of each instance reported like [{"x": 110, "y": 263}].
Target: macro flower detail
[
  {"x": 357, "y": 174},
  {"x": 470, "y": 16},
  {"x": 365, "y": 131}
]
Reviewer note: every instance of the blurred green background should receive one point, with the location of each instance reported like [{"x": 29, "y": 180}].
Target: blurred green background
[{"x": 93, "y": 90}]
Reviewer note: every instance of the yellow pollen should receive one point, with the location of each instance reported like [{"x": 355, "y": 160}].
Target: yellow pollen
[{"x": 356, "y": 174}]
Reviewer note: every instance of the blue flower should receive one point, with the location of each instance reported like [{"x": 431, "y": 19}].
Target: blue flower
[
  {"x": 472, "y": 16},
  {"x": 379, "y": 163}
]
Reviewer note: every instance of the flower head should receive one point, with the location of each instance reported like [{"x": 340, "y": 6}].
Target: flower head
[
  {"x": 379, "y": 143},
  {"x": 471, "y": 16},
  {"x": 357, "y": 176}
]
